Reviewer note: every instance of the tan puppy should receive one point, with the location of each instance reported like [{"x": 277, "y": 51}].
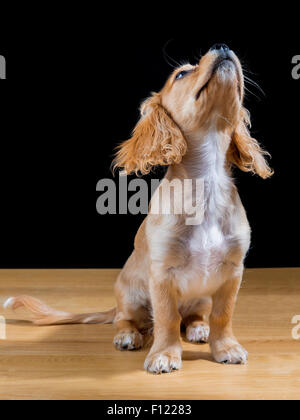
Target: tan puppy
[{"x": 196, "y": 125}]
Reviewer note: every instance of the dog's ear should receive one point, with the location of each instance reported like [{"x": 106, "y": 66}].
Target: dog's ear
[
  {"x": 156, "y": 140},
  {"x": 245, "y": 152}
]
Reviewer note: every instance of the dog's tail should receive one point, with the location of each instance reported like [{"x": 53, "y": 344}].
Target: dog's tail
[{"x": 41, "y": 314}]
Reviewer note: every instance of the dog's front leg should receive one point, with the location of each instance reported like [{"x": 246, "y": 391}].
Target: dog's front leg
[
  {"x": 165, "y": 354},
  {"x": 224, "y": 346}
]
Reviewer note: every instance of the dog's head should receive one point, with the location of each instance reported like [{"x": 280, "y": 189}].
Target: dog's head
[{"x": 208, "y": 95}]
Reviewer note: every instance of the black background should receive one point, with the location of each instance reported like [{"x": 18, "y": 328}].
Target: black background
[{"x": 75, "y": 80}]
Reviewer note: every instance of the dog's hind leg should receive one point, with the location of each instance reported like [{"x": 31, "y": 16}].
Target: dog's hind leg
[
  {"x": 128, "y": 336},
  {"x": 132, "y": 314},
  {"x": 195, "y": 319}
]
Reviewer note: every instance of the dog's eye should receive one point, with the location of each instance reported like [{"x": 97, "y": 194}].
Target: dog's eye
[{"x": 181, "y": 74}]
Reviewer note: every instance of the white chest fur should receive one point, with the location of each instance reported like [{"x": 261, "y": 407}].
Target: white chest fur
[
  {"x": 197, "y": 255},
  {"x": 209, "y": 242}
]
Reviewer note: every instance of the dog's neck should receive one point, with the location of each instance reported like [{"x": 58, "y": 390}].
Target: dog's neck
[
  {"x": 206, "y": 155},
  {"x": 206, "y": 160}
]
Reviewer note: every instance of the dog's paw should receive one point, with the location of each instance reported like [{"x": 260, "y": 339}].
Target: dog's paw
[
  {"x": 229, "y": 351},
  {"x": 197, "y": 333},
  {"x": 163, "y": 362},
  {"x": 128, "y": 340}
]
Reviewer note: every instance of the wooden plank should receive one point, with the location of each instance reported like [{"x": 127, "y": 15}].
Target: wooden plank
[{"x": 80, "y": 362}]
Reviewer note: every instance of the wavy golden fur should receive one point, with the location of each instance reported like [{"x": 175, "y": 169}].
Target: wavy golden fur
[
  {"x": 156, "y": 140},
  {"x": 180, "y": 274},
  {"x": 245, "y": 152}
]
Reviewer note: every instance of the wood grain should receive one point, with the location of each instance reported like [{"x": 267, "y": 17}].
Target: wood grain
[{"x": 80, "y": 362}]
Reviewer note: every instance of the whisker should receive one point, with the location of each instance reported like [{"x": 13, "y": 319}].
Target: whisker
[
  {"x": 252, "y": 93},
  {"x": 168, "y": 58},
  {"x": 198, "y": 56},
  {"x": 246, "y": 70},
  {"x": 253, "y": 83}
]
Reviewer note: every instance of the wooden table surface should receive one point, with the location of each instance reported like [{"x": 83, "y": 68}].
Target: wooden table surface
[{"x": 80, "y": 362}]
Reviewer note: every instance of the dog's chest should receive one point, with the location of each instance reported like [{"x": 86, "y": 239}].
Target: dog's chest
[
  {"x": 204, "y": 273},
  {"x": 207, "y": 238}
]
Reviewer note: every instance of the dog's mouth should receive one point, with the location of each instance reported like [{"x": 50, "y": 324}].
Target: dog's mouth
[{"x": 220, "y": 61}]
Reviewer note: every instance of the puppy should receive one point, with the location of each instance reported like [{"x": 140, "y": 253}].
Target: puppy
[{"x": 181, "y": 273}]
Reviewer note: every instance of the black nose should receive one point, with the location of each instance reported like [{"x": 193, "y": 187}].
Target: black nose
[{"x": 220, "y": 47}]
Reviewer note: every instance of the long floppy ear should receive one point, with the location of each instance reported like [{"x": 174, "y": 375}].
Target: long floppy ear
[
  {"x": 156, "y": 140},
  {"x": 245, "y": 152}
]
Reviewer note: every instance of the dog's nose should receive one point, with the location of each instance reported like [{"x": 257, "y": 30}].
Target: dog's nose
[{"x": 220, "y": 47}]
